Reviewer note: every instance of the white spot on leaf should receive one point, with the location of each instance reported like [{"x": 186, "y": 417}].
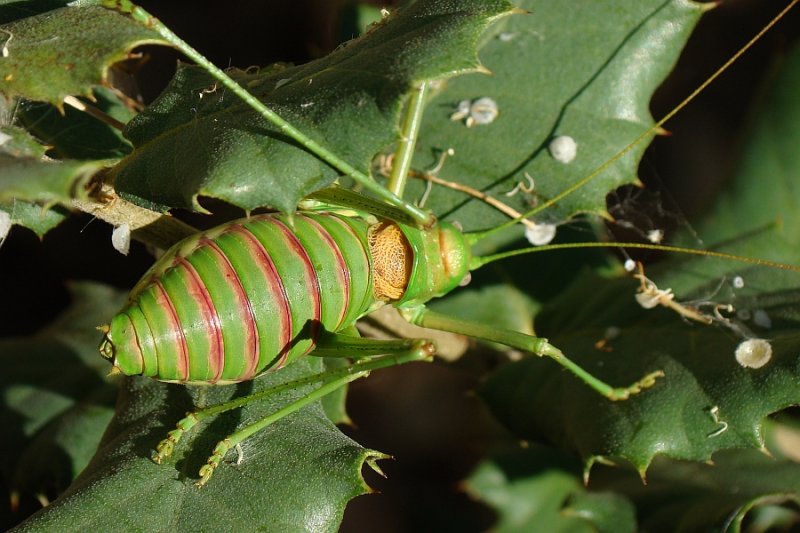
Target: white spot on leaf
[
  {"x": 563, "y": 148},
  {"x": 754, "y": 353},
  {"x": 540, "y": 234},
  {"x": 479, "y": 112}
]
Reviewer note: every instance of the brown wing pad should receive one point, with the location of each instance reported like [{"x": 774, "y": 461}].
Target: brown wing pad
[{"x": 391, "y": 260}]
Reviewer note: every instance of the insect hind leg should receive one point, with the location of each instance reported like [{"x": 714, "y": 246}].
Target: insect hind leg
[{"x": 370, "y": 354}]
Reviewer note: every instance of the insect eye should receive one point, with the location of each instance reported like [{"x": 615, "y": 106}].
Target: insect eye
[{"x": 107, "y": 349}]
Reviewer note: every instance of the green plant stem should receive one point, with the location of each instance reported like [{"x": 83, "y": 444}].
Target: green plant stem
[{"x": 408, "y": 140}]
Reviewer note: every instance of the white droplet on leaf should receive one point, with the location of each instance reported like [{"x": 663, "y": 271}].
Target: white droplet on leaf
[
  {"x": 630, "y": 265},
  {"x": 540, "y": 234},
  {"x": 738, "y": 282},
  {"x": 121, "y": 239},
  {"x": 563, "y": 149},
  {"x": 753, "y": 353}
]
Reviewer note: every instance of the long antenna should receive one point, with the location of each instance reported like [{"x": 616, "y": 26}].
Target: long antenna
[
  {"x": 477, "y": 236},
  {"x": 480, "y": 261}
]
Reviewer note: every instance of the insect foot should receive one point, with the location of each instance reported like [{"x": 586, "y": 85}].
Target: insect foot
[
  {"x": 167, "y": 446},
  {"x": 646, "y": 382},
  {"x": 213, "y": 462}
]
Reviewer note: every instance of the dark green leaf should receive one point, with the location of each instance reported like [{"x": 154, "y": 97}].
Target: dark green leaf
[
  {"x": 563, "y": 69},
  {"x": 57, "y": 401},
  {"x": 34, "y": 217},
  {"x": 74, "y": 134},
  {"x": 45, "y": 182},
  {"x": 296, "y": 475},
  {"x": 66, "y": 51},
  {"x": 740, "y": 485},
  {"x": 675, "y": 417},
  {"x": 200, "y": 140},
  {"x": 538, "y": 490},
  {"x": 535, "y": 397},
  {"x": 18, "y": 142},
  {"x": 757, "y": 214},
  {"x": 11, "y": 10}
]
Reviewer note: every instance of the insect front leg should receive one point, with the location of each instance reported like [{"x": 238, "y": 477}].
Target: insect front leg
[{"x": 422, "y": 316}]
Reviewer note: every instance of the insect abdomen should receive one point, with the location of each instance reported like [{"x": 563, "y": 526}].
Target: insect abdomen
[{"x": 233, "y": 302}]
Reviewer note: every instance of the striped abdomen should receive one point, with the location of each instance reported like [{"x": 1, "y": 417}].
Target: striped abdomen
[{"x": 230, "y": 303}]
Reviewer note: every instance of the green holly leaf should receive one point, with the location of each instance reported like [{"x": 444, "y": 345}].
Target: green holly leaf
[
  {"x": 198, "y": 139},
  {"x": 562, "y": 70},
  {"x": 51, "y": 54}
]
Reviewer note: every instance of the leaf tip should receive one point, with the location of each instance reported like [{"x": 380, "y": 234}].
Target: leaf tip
[
  {"x": 481, "y": 69},
  {"x": 372, "y": 461},
  {"x": 763, "y": 449},
  {"x": 590, "y": 462}
]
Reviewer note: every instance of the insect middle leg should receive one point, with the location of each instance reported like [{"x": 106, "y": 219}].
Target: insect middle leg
[{"x": 370, "y": 354}]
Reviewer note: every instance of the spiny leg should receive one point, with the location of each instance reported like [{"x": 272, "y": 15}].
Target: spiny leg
[
  {"x": 165, "y": 448},
  {"x": 422, "y": 316},
  {"x": 366, "y": 351}
]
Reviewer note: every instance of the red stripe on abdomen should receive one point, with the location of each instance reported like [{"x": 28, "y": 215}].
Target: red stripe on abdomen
[
  {"x": 164, "y": 301},
  {"x": 277, "y": 289},
  {"x": 245, "y": 310},
  {"x": 199, "y": 293},
  {"x": 341, "y": 268},
  {"x": 312, "y": 282}
]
